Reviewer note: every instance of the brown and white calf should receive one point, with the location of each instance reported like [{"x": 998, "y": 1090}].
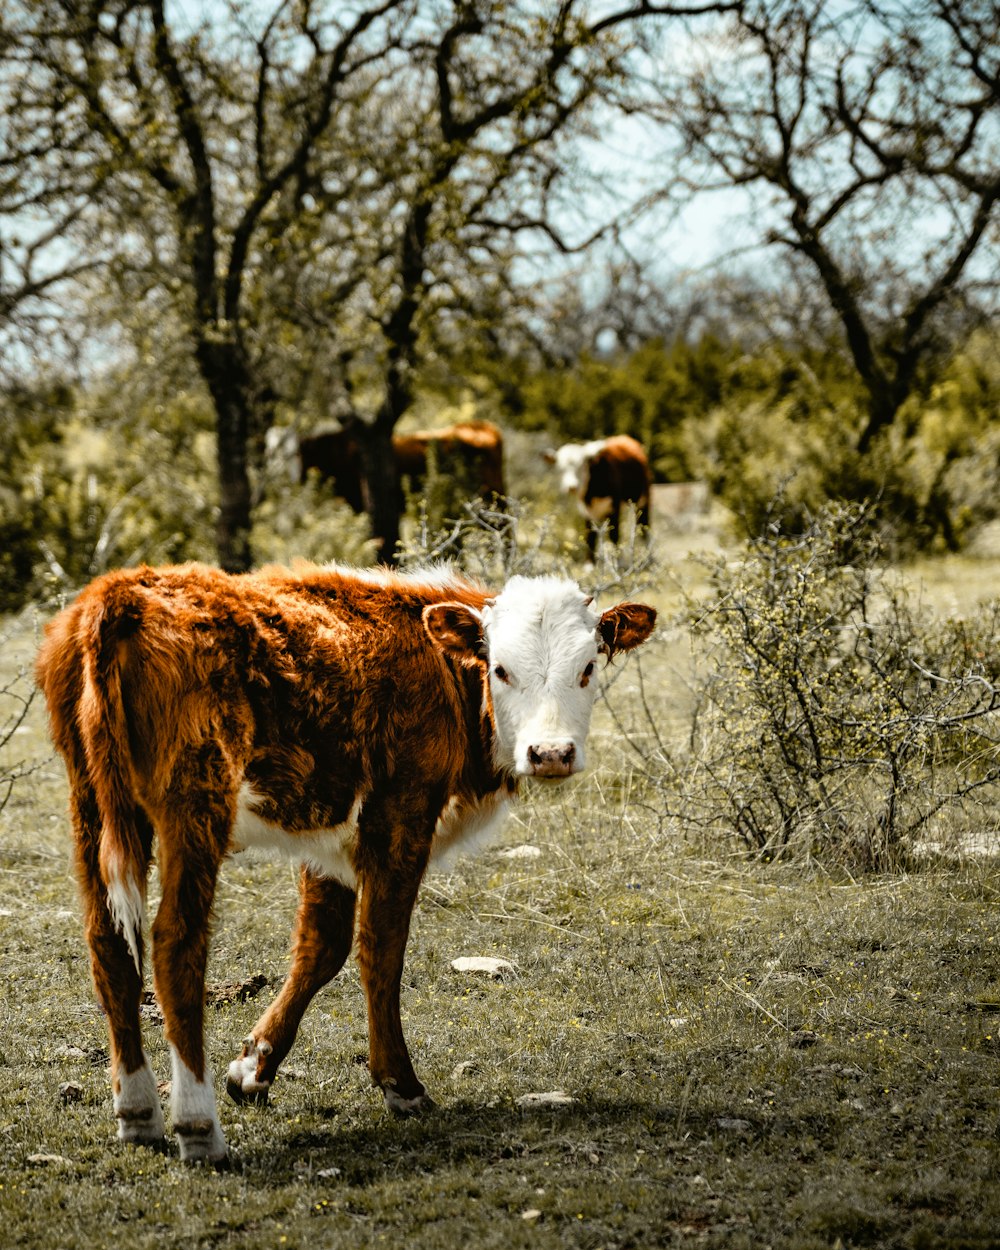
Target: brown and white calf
[
  {"x": 603, "y": 475},
  {"x": 361, "y": 722}
]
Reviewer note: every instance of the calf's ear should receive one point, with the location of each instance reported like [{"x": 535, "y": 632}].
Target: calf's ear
[
  {"x": 456, "y": 629},
  {"x": 625, "y": 626}
]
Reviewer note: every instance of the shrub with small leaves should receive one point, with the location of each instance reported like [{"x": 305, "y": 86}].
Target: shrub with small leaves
[
  {"x": 830, "y": 717},
  {"x": 17, "y": 692},
  {"x": 493, "y": 543}
]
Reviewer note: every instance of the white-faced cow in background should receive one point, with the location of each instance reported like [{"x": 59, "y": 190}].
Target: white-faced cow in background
[
  {"x": 603, "y": 475},
  {"x": 360, "y": 722}
]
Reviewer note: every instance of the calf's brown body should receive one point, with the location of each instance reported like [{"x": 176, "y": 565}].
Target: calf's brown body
[{"x": 347, "y": 715}]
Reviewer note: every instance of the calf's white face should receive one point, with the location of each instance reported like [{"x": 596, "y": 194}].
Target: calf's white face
[
  {"x": 541, "y": 641},
  {"x": 542, "y": 648}
]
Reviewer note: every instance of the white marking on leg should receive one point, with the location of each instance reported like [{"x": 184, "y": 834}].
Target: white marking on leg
[
  {"x": 127, "y": 905},
  {"x": 137, "y": 1106},
  {"x": 598, "y": 509},
  {"x": 241, "y": 1081},
  {"x": 194, "y": 1113},
  {"x": 401, "y": 1106}
]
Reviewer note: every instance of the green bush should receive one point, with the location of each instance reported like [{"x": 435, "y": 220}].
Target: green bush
[
  {"x": 653, "y": 393},
  {"x": 769, "y": 461},
  {"x": 17, "y": 693},
  {"x": 93, "y": 482},
  {"x": 785, "y": 435},
  {"x": 781, "y": 420},
  {"x": 829, "y": 718}
]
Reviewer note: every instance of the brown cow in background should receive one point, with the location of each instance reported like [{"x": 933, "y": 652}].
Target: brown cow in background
[
  {"x": 471, "y": 451},
  {"x": 604, "y": 474},
  {"x": 335, "y": 455}
]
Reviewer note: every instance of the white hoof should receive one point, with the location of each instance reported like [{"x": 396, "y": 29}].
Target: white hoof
[
  {"x": 137, "y": 1108},
  {"x": 201, "y": 1141},
  {"x": 193, "y": 1112},
  {"x": 407, "y": 1106},
  {"x": 241, "y": 1080}
]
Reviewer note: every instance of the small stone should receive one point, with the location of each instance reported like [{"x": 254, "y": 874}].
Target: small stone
[
  {"x": 526, "y": 851},
  {"x": 553, "y": 1098},
  {"x": 531, "y": 1214},
  {"x": 328, "y": 1174},
  {"x": 484, "y": 964},
  {"x": 70, "y": 1052},
  {"x": 465, "y": 1068},
  {"x": 730, "y": 1124},
  {"x": 226, "y": 993},
  {"x": 803, "y": 1039},
  {"x": 47, "y": 1160}
]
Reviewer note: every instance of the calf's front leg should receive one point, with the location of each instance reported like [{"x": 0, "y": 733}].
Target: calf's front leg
[
  {"x": 387, "y": 899},
  {"x": 324, "y": 930}
]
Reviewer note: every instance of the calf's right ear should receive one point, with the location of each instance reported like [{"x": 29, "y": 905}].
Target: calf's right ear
[{"x": 457, "y": 630}]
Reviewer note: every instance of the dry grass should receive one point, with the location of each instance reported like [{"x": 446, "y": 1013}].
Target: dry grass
[{"x": 757, "y": 1056}]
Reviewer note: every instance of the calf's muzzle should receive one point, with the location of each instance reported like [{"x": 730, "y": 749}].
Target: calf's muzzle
[{"x": 552, "y": 759}]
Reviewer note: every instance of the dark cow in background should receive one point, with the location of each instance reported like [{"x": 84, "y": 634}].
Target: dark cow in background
[
  {"x": 604, "y": 474},
  {"x": 335, "y": 455},
  {"x": 471, "y": 452}
]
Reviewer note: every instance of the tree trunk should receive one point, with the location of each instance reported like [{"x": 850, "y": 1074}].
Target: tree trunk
[
  {"x": 226, "y": 376},
  {"x": 382, "y": 481},
  {"x": 232, "y": 528},
  {"x": 883, "y": 404}
]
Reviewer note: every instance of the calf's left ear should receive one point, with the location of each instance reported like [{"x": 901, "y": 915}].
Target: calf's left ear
[
  {"x": 455, "y": 629},
  {"x": 625, "y": 626}
]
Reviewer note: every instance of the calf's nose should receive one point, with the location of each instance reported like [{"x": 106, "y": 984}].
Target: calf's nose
[{"x": 552, "y": 759}]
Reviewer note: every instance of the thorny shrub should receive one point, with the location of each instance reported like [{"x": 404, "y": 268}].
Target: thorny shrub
[
  {"x": 17, "y": 693},
  {"x": 828, "y": 716},
  {"x": 494, "y": 542}
]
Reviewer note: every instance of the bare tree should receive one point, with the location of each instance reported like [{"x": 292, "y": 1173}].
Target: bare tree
[
  {"x": 140, "y": 122},
  {"x": 470, "y": 164},
  {"x": 870, "y": 133},
  {"x": 475, "y": 158},
  {"x": 365, "y": 169}
]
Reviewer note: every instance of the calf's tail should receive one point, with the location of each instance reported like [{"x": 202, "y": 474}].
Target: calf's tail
[{"x": 80, "y": 671}]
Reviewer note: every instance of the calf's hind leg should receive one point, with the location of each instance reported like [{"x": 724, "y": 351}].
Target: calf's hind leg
[
  {"x": 116, "y": 967},
  {"x": 191, "y": 850},
  {"x": 324, "y": 930}
]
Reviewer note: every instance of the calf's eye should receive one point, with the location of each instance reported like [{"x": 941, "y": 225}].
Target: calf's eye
[{"x": 500, "y": 673}]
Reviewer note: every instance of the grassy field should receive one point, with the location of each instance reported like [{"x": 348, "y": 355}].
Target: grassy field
[{"x": 753, "y": 1056}]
